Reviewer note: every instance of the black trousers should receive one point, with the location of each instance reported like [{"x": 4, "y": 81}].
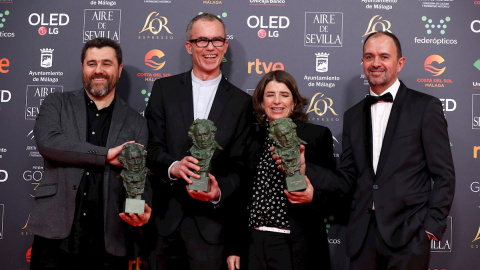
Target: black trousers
[
  {"x": 47, "y": 254},
  {"x": 376, "y": 255},
  {"x": 270, "y": 250},
  {"x": 185, "y": 249}
]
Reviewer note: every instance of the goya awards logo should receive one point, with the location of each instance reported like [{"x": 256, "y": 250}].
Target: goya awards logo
[
  {"x": 102, "y": 23},
  {"x": 155, "y": 27},
  {"x": 323, "y": 29},
  {"x": 49, "y": 22},
  {"x": 432, "y": 69},
  {"x": 46, "y": 57},
  {"x": 440, "y": 26},
  {"x": 35, "y": 96},
  {"x": 377, "y": 24},
  {"x": 322, "y": 108}
]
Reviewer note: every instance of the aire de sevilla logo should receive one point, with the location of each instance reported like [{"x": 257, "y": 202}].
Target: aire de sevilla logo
[{"x": 432, "y": 59}]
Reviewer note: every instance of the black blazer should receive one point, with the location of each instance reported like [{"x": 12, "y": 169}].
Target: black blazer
[
  {"x": 169, "y": 115},
  {"x": 415, "y": 152},
  {"x": 60, "y": 133},
  {"x": 308, "y": 232}
]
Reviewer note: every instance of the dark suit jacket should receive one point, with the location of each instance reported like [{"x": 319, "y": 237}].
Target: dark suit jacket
[
  {"x": 169, "y": 115},
  {"x": 60, "y": 132},
  {"x": 415, "y": 152},
  {"x": 308, "y": 232}
]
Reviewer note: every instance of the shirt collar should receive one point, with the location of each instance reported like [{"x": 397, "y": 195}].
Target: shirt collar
[
  {"x": 206, "y": 83},
  {"x": 393, "y": 89}
]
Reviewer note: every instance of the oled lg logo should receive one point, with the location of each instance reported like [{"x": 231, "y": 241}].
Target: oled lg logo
[
  {"x": 268, "y": 24},
  {"x": 3, "y": 176},
  {"x": 475, "y": 26},
  {"x": 48, "y": 22}
]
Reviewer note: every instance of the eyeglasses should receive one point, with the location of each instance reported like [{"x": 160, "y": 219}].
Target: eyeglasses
[{"x": 203, "y": 42}]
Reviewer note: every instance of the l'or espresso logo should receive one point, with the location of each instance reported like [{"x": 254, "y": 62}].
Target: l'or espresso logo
[
  {"x": 269, "y": 25},
  {"x": 444, "y": 245},
  {"x": 322, "y": 107},
  {"x": 155, "y": 59},
  {"x": 323, "y": 29},
  {"x": 49, "y": 22},
  {"x": 377, "y": 24},
  {"x": 475, "y": 113},
  {"x": 435, "y": 65},
  {"x": 35, "y": 96},
  {"x": 102, "y": 23},
  {"x": 155, "y": 27}
]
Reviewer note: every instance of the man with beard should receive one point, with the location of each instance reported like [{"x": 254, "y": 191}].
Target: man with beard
[
  {"x": 76, "y": 217},
  {"x": 397, "y": 163}
]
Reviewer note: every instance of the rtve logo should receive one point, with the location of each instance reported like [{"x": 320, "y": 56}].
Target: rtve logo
[
  {"x": 475, "y": 151},
  {"x": 263, "y": 67},
  {"x": 4, "y": 65}
]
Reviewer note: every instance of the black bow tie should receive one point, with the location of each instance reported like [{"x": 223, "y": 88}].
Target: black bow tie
[{"x": 374, "y": 99}]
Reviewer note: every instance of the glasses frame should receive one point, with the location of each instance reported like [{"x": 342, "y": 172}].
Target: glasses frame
[{"x": 208, "y": 41}]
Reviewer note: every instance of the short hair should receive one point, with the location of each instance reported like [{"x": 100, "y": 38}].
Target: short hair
[
  {"x": 385, "y": 33},
  {"x": 209, "y": 17},
  {"x": 287, "y": 79},
  {"x": 100, "y": 43}
]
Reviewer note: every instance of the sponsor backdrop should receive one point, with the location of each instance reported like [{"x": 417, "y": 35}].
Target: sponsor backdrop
[{"x": 318, "y": 41}]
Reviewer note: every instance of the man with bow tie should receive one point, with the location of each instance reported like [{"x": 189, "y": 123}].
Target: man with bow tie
[{"x": 397, "y": 163}]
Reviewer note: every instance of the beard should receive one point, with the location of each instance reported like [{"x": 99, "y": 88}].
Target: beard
[
  {"x": 377, "y": 80},
  {"x": 99, "y": 90}
]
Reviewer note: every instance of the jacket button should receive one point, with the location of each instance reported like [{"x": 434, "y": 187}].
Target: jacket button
[
  {"x": 375, "y": 187},
  {"x": 75, "y": 187}
]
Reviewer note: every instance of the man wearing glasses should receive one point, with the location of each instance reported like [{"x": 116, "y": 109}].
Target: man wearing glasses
[{"x": 189, "y": 223}]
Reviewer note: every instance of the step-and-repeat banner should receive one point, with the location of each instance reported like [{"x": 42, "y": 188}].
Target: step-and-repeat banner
[{"x": 318, "y": 41}]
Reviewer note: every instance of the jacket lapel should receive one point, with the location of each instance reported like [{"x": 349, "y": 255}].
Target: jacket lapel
[
  {"x": 367, "y": 137},
  {"x": 185, "y": 95},
  {"x": 391, "y": 127},
  {"x": 80, "y": 112},
  {"x": 220, "y": 100},
  {"x": 118, "y": 118}
]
